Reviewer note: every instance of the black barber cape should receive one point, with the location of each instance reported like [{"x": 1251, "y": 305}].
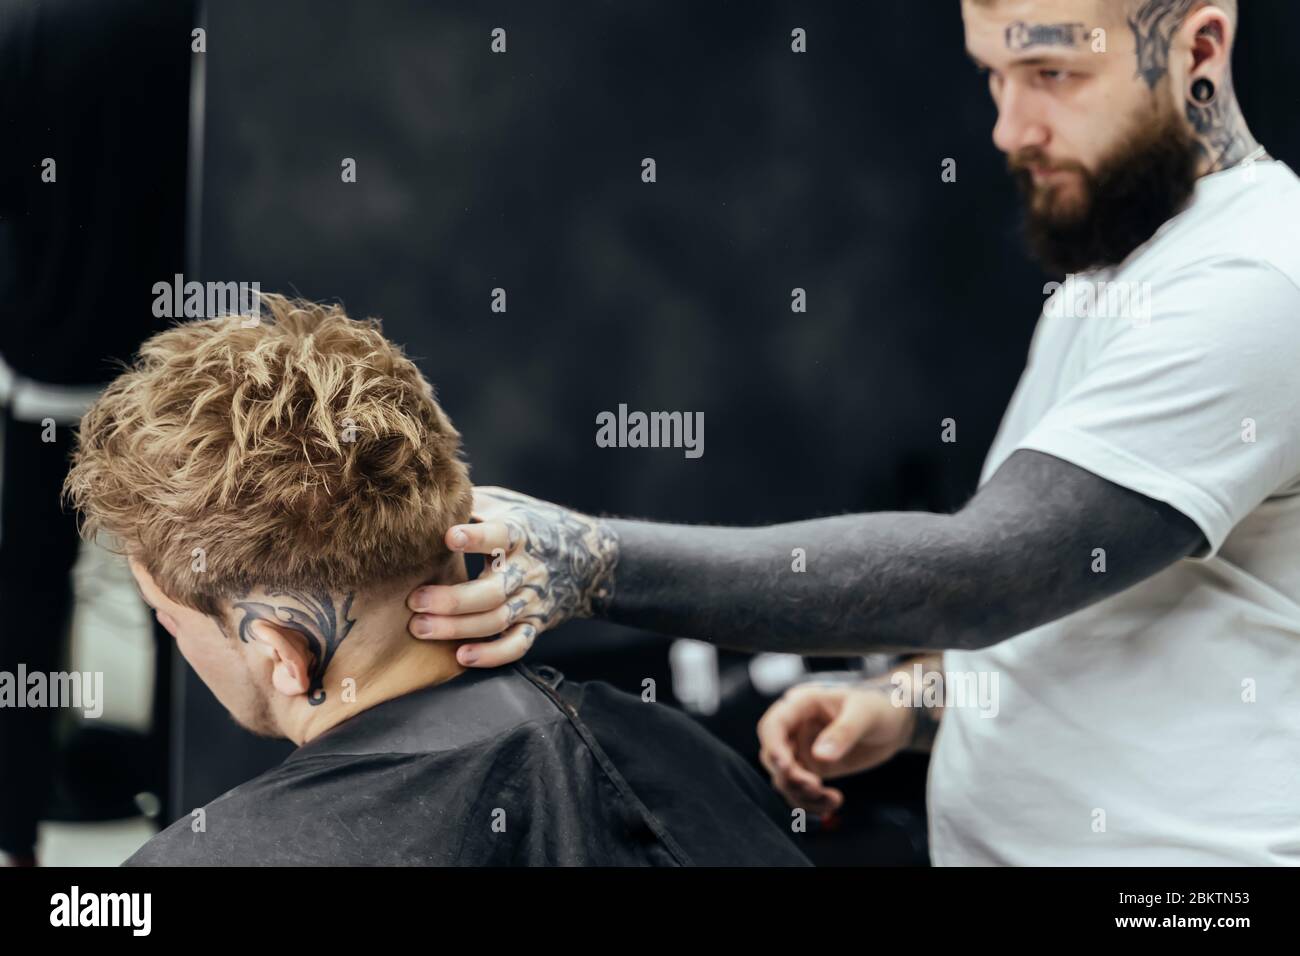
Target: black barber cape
[{"x": 514, "y": 766}]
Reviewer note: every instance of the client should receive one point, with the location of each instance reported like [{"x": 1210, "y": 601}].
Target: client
[{"x": 278, "y": 489}]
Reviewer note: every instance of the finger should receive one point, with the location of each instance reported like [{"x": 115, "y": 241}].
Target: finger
[
  {"x": 835, "y": 798},
  {"x": 798, "y": 784},
  {"x": 506, "y": 649},
  {"x": 816, "y": 802},
  {"x": 818, "y": 808},
  {"x": 776, "y": 771},
  {"x": 470, "y": 597},
  {"x": 787, "y": 730},
  {"x": 795, "y": 773},
  {"x": 791, "y": 797},
  {"x": 794, "y": 793},
  {"x": 774, "y": 736},
  {"x": 850, "y": 725},
  {"x": 490, "y": 500},
  {"x": 805, "y": 780},
  {"x": 460, "y": 627},
  {"x": 484, "y": 538}
]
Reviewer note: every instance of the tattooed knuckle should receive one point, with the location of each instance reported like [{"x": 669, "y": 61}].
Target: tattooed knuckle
[
  {"x": 514, "y": 535},
  {"x": 513, "y": 610}
]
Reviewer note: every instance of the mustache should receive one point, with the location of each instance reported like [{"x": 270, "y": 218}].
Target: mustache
[
  {"x": 1024, "y": 160},
  {"x": 1138, "y": 184}
]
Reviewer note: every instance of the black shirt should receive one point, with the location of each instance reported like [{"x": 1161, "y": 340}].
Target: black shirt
[{"x": 507, "y": 767}]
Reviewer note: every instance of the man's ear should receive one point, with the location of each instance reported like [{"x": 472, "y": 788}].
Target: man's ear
[
  {"x": 288, "y": 653},
  {"x": 1210, "y": 33}
]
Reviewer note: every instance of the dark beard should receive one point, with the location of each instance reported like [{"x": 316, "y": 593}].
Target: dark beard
[{"x": 1136, "y": 190}]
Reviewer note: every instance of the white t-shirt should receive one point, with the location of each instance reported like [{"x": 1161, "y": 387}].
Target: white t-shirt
[{"x": 1160, "y": 726}]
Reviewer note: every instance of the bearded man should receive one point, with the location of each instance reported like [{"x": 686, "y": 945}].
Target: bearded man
[{"x": 1127, "y": 567}]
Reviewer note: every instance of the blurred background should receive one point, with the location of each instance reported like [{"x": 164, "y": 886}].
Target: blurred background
[{"x": 218, "y": 155}]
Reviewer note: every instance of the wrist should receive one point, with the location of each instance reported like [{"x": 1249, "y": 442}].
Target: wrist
[
  {"x": 917, "y": 686},
  {"x": 603, "y": 544}
]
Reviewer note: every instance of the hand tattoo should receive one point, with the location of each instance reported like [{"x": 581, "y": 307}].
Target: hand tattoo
[
  {"x": 578, "y": 553},
  {"x": 313, "y": 615}
]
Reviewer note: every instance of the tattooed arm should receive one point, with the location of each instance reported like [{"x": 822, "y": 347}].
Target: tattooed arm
[{"x": 1020, "y": 554}]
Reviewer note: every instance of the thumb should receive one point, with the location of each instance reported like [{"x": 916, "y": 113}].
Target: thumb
[{"x": 849, "y": 726}]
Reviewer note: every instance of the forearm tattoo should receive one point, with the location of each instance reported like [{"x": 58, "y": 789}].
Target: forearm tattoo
[
  {"x": 1019, "y": 555},
  {"x": 313, "y": 614},
  {"x": 578, "y": 554}
]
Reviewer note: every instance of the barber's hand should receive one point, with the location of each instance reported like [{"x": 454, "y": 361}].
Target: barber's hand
[
  {"x": 545, "y": 565},
  {"x": 817, "y": 733}
]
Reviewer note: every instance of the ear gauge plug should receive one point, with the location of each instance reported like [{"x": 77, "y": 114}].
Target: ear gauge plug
[{"x": 1203, "y": 91}]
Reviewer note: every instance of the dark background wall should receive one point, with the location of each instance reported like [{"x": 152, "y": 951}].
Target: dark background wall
[{"x": 775, "y": 170}]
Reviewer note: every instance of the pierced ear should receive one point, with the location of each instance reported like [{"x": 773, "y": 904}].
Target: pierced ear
[{"x": 1211, "y": 37}]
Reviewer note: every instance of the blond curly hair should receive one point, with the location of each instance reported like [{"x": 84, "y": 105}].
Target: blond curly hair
[{"x": 303, "y": 451}]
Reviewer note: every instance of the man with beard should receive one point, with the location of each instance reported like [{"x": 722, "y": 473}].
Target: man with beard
[{"x": 1126, "y": 569}]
